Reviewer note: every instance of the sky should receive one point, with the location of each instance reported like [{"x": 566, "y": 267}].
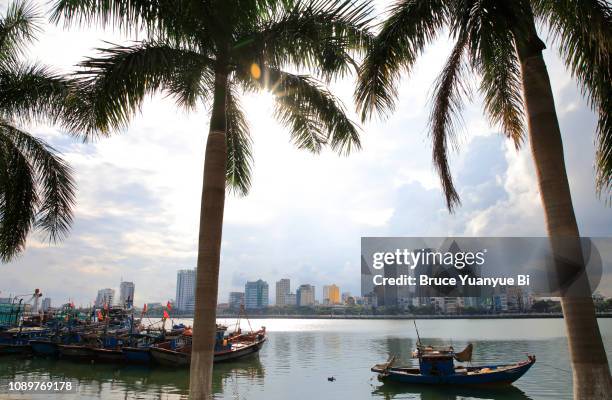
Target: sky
[{"x": 137, "y": 209}]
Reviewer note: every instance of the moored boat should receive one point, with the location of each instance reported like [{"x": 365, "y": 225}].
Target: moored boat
[
  {"x": 76, "y": 351},
  {"x": 108, "y": 355},
  {"x": 178, "y": 354},
  {"x": 437, "y": 367},
  {"x": 44, "y": 347},
  {"x": 137, "y": 355}
]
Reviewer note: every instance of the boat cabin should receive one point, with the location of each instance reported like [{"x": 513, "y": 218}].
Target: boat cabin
[{"x": 436, "y": 361}]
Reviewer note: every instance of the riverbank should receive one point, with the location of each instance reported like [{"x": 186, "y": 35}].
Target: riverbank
[{"x": 407, "y": 316}]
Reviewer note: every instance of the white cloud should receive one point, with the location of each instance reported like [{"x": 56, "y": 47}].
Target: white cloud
[{"x": 139, "y": 191}]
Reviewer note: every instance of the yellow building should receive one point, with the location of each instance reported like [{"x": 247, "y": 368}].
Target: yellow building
[{"x": 331, "y": 294}]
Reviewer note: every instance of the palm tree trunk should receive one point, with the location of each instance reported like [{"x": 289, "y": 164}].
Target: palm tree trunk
[
  {"x": 209, "y": 246},
  {"x": 591, "y": 375}
]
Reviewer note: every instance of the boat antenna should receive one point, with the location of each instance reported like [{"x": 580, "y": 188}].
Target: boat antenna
[{"x": 417, "y": 332}]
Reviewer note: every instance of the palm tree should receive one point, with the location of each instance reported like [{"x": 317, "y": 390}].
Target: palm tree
[
  {"x": 36, "y": 185},
  {"x": 210, "y": 51},
  {"x": 497, "y": 41}
]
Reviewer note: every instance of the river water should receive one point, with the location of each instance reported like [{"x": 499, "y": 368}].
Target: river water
[{"x": 301, "y": 354}]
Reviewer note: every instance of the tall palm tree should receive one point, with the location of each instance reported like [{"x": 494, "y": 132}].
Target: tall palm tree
[
  {"x": 36, "y": 186},
  {"x": 210, "y": 51},
  {"x": 497, "y": 41}
]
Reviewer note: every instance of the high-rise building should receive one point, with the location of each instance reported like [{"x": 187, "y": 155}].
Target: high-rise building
[
  {"x": 46, "y": 304},
  {"x": 256, "y": 294},
  {"x": 236, "y": 299},
  {"x": 283, "y": 288},
  {"x": 331, "y": 294},
  {"x": 126, "y": 293},
  {"x": 105, "y": 297},
  {"x": 291, "y": 299},
  {"x": 305, "y": 296},
  {"x": 185, "y": 290}
]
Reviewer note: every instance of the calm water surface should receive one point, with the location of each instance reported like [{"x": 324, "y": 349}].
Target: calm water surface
[{"x": 301, "y": 354}]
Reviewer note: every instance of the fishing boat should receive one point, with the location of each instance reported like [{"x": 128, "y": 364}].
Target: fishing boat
[
  {"x": 16, "y": 340},
  {"x": 177, "y": 353},
  {"x": 437, "y": 367},
  {"x": 75, "y": 351},
  {"x": 44, "y": 347},
  {"x": 138, "y": 345}
]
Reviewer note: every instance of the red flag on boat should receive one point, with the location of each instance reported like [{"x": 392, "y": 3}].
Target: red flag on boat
[
  {"x": 100, "y": 317},
  {"x": 169, "y": 305},
  {"x": 144, "y": 309},
  {"x": 166, "y": 316},
  {"x": 72, "y": 304}
]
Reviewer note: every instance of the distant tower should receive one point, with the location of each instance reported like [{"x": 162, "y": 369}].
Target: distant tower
[
  {"x": 256, "y": 294},
  {"x": 126, "y": 294},
  {"x": 185, "y": 289},
  {"x": 105, "y": 296},
  {"x": 331, "y": 294},
  {"x": 283, "y": 288},
  {"x": 305, "y": 296},
  {"x": 46, "y": 304}
]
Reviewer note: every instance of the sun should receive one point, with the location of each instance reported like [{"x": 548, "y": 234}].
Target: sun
[{"x": 259, "y": 105}]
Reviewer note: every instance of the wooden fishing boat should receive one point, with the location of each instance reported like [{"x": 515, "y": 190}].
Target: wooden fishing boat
[
  {"x": 138, "y": 344},
  {"x": 108, "y": 355},
  {"x": 16, "y": 340},
  {"x": 44, "y": 347},
  {"x": 181, "y": 357},
  {"x": 239, "y": 350},
  {"x": 137, "y": 355},
  {"x": 76, "y": 351},
  {"x": 437, "y": 367},
  {"x": 173, "y": 355}
]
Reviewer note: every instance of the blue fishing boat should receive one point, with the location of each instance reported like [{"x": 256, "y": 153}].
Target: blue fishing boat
[
  {"x": 138, "y": 345},
  {"x": 177, "y": 352},
  {"x": 44, "y": 347},
  {"x": 437, "y": 367},
  {"x": 16, "y": 340}
]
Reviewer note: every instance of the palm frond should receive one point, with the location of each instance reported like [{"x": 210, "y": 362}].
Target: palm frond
[
  {"x": 491, "y": 27},
  {"x": 239, "y": 144},
  {"x": 18, "y": 28},
  {"x": 583, "y": 31},
  {"x": 177, "y": 21},
  {"x": 450, "y": 90},
  {"x": 29, "y": 92},
  {"x": 37, "y": 190},
  {"x": 410, "y": 26},
  {"x": 322, "y": 36},
  {"x": 113, "y": 86},
  {"x": 316, "y": 117}
]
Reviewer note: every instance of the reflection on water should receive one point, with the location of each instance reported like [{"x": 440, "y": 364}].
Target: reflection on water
[
  {"x": 109, "y": 381},
  {"x": 301, "y": 354},
  {"x": 392, "y": 390}
]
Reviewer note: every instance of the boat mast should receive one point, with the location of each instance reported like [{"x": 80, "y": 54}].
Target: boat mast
[{"x": 417, "y": 332}]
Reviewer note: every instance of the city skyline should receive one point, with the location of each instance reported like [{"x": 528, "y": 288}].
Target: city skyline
[{"x": 145, "y": 226}]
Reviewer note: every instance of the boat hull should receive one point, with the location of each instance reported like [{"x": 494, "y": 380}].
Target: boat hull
[
  {"x": 75, "y": 352},
  {"x": 170, "y": 358},
  {"x": 137, "y": 355},
  {"x": 44, "y": 347},
  {"x": 108, "y": 355},
  {"x": 495, "y": 375},
  {"x": 247, "y": 350},
  {"x": 173, "y": 358}
]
